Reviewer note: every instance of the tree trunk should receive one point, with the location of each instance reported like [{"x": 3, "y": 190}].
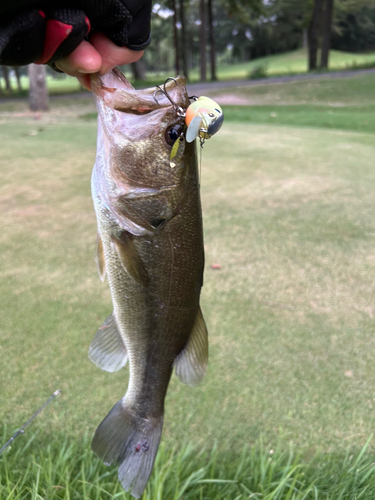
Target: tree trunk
[
  {"x": 175, "y": 38},
  {"x": 6, "y": 78},
  {"x": 305, "y": 42},
  {"x": 184, "y": 51},
  {"x": 38, "y": 92},
  {"x": 313, "y": 34},
  {"x": 326, "y": 42},
  {"x": 212, "y": 42},
  {"x": 202, "y": 41},
  {"x": 138, "y": 70},
  {"x": 17, "y": 72}
]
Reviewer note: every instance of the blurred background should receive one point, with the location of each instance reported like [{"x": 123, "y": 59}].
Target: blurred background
[
  {"x": 286, "y": 410},
  {"x": 209, "y": 40}
]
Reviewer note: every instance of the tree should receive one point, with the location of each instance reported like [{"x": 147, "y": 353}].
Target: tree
[
  {"x": 313, "y": 34},
  {"x": 353, "y": 27},
  {"x": 138, "y": 70},
  {"x": 38, "y": 93},
  {"x": 18, "y": 77},
  {"x": 6, "y": 78},
  {"x": 326, "y": 41},
  {"x": 175, "y": 36},
  {"x": 202, "y": 40},
  {"x": 212, "y": 41},
  {"x": 244, "y": 9},
  {"x": 184, "y": 50}
]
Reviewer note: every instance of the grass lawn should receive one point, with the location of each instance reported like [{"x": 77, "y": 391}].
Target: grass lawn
[
  {"x": 289, "y": 216},
  {"x": 346, "y": 103},
  {"x": 357, "y": 90},
  {"x": 63, "y": 84},
  {"x": 292, "y": 63}
]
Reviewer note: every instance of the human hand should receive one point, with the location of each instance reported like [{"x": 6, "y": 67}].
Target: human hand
[
  {"x": 98, "y": 55},
  {"x": 86, "y": 37}
]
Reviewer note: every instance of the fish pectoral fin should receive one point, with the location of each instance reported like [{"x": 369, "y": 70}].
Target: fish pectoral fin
[
  {"x": 130, "y": 259},
  {"x": 108, "y": 350},
  {"x": 99, "y": 258},
  {"x": 191, "y": 363}
]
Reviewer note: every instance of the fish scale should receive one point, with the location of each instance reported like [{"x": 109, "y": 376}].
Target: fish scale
[{"x": 150, "y": 247}]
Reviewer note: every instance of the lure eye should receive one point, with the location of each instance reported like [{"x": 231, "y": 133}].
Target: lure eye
[
  {"x": 173, "y": 133},
  {"x": 211, "y": 115}
]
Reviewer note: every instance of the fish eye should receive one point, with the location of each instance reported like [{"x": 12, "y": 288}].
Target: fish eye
[{"x": 173, "y": 133}]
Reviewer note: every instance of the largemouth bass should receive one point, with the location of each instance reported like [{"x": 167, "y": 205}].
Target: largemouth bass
[{"x": 150, "y": 246}]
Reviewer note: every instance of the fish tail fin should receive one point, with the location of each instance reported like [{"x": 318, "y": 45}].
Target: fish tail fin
[{"x": 131, "y": 441}]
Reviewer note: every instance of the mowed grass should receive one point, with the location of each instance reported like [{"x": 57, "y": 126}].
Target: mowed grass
[
  {"x": 294, "y": 62},
  {"x": 288, "y": 215},
  {"x": 344, "y": 103},
  {"x": 62, "y": 84},
  {"x": 356, "y": 90}
]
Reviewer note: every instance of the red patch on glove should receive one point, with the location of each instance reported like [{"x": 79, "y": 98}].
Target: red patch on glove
[{"x": 56, "y": 33}]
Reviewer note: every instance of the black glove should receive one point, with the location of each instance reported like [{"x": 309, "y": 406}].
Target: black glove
[{"x": 46, "y": 30}]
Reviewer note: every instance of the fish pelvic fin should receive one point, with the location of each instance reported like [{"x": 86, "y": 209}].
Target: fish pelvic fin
[
  {"x": 191, "y": 363},
  {"x": 130, "y": 259},
  {"x": 132, "y": 442},
  {"x": 99, "y": 258},
  {"x": 108, "y": 350}
]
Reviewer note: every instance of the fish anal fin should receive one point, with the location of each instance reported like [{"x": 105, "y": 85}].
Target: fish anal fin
[
  {"x": 107, "y": 350},
  {"x": 130, "y": 259},
  {"x": 99, "y": 258},
  {"x": 191, "y": 363}
]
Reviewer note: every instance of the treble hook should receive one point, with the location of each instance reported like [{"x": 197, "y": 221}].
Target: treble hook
[
  {"x": 170, "y": 78},
  {"x": 180, "y": 111}
]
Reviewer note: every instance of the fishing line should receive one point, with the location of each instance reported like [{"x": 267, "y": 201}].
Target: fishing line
[
  {"x": 21, "y": 429},
  {"x": 201, "y": 143}
]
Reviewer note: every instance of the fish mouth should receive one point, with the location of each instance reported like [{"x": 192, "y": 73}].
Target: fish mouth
[
  {"x": 136, "y": 114},
  {"x": 120, "y": 95}
]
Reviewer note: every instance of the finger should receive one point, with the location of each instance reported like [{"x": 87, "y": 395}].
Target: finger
[
  {"x": 111, "y": 54},
  {"x": 84, "y": 59},
  {"x": 85, "y": 81}
]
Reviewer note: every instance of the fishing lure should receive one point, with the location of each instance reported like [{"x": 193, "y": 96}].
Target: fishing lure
[{"x": 204, "y": 117}]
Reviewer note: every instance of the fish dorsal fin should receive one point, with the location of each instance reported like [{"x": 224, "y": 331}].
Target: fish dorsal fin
[
  {"x": 99, "y": 258},
  {"x": 108, "y": 350},
  {"x": 130, "y": 259},
  {"x": 191, "y": 363}
]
